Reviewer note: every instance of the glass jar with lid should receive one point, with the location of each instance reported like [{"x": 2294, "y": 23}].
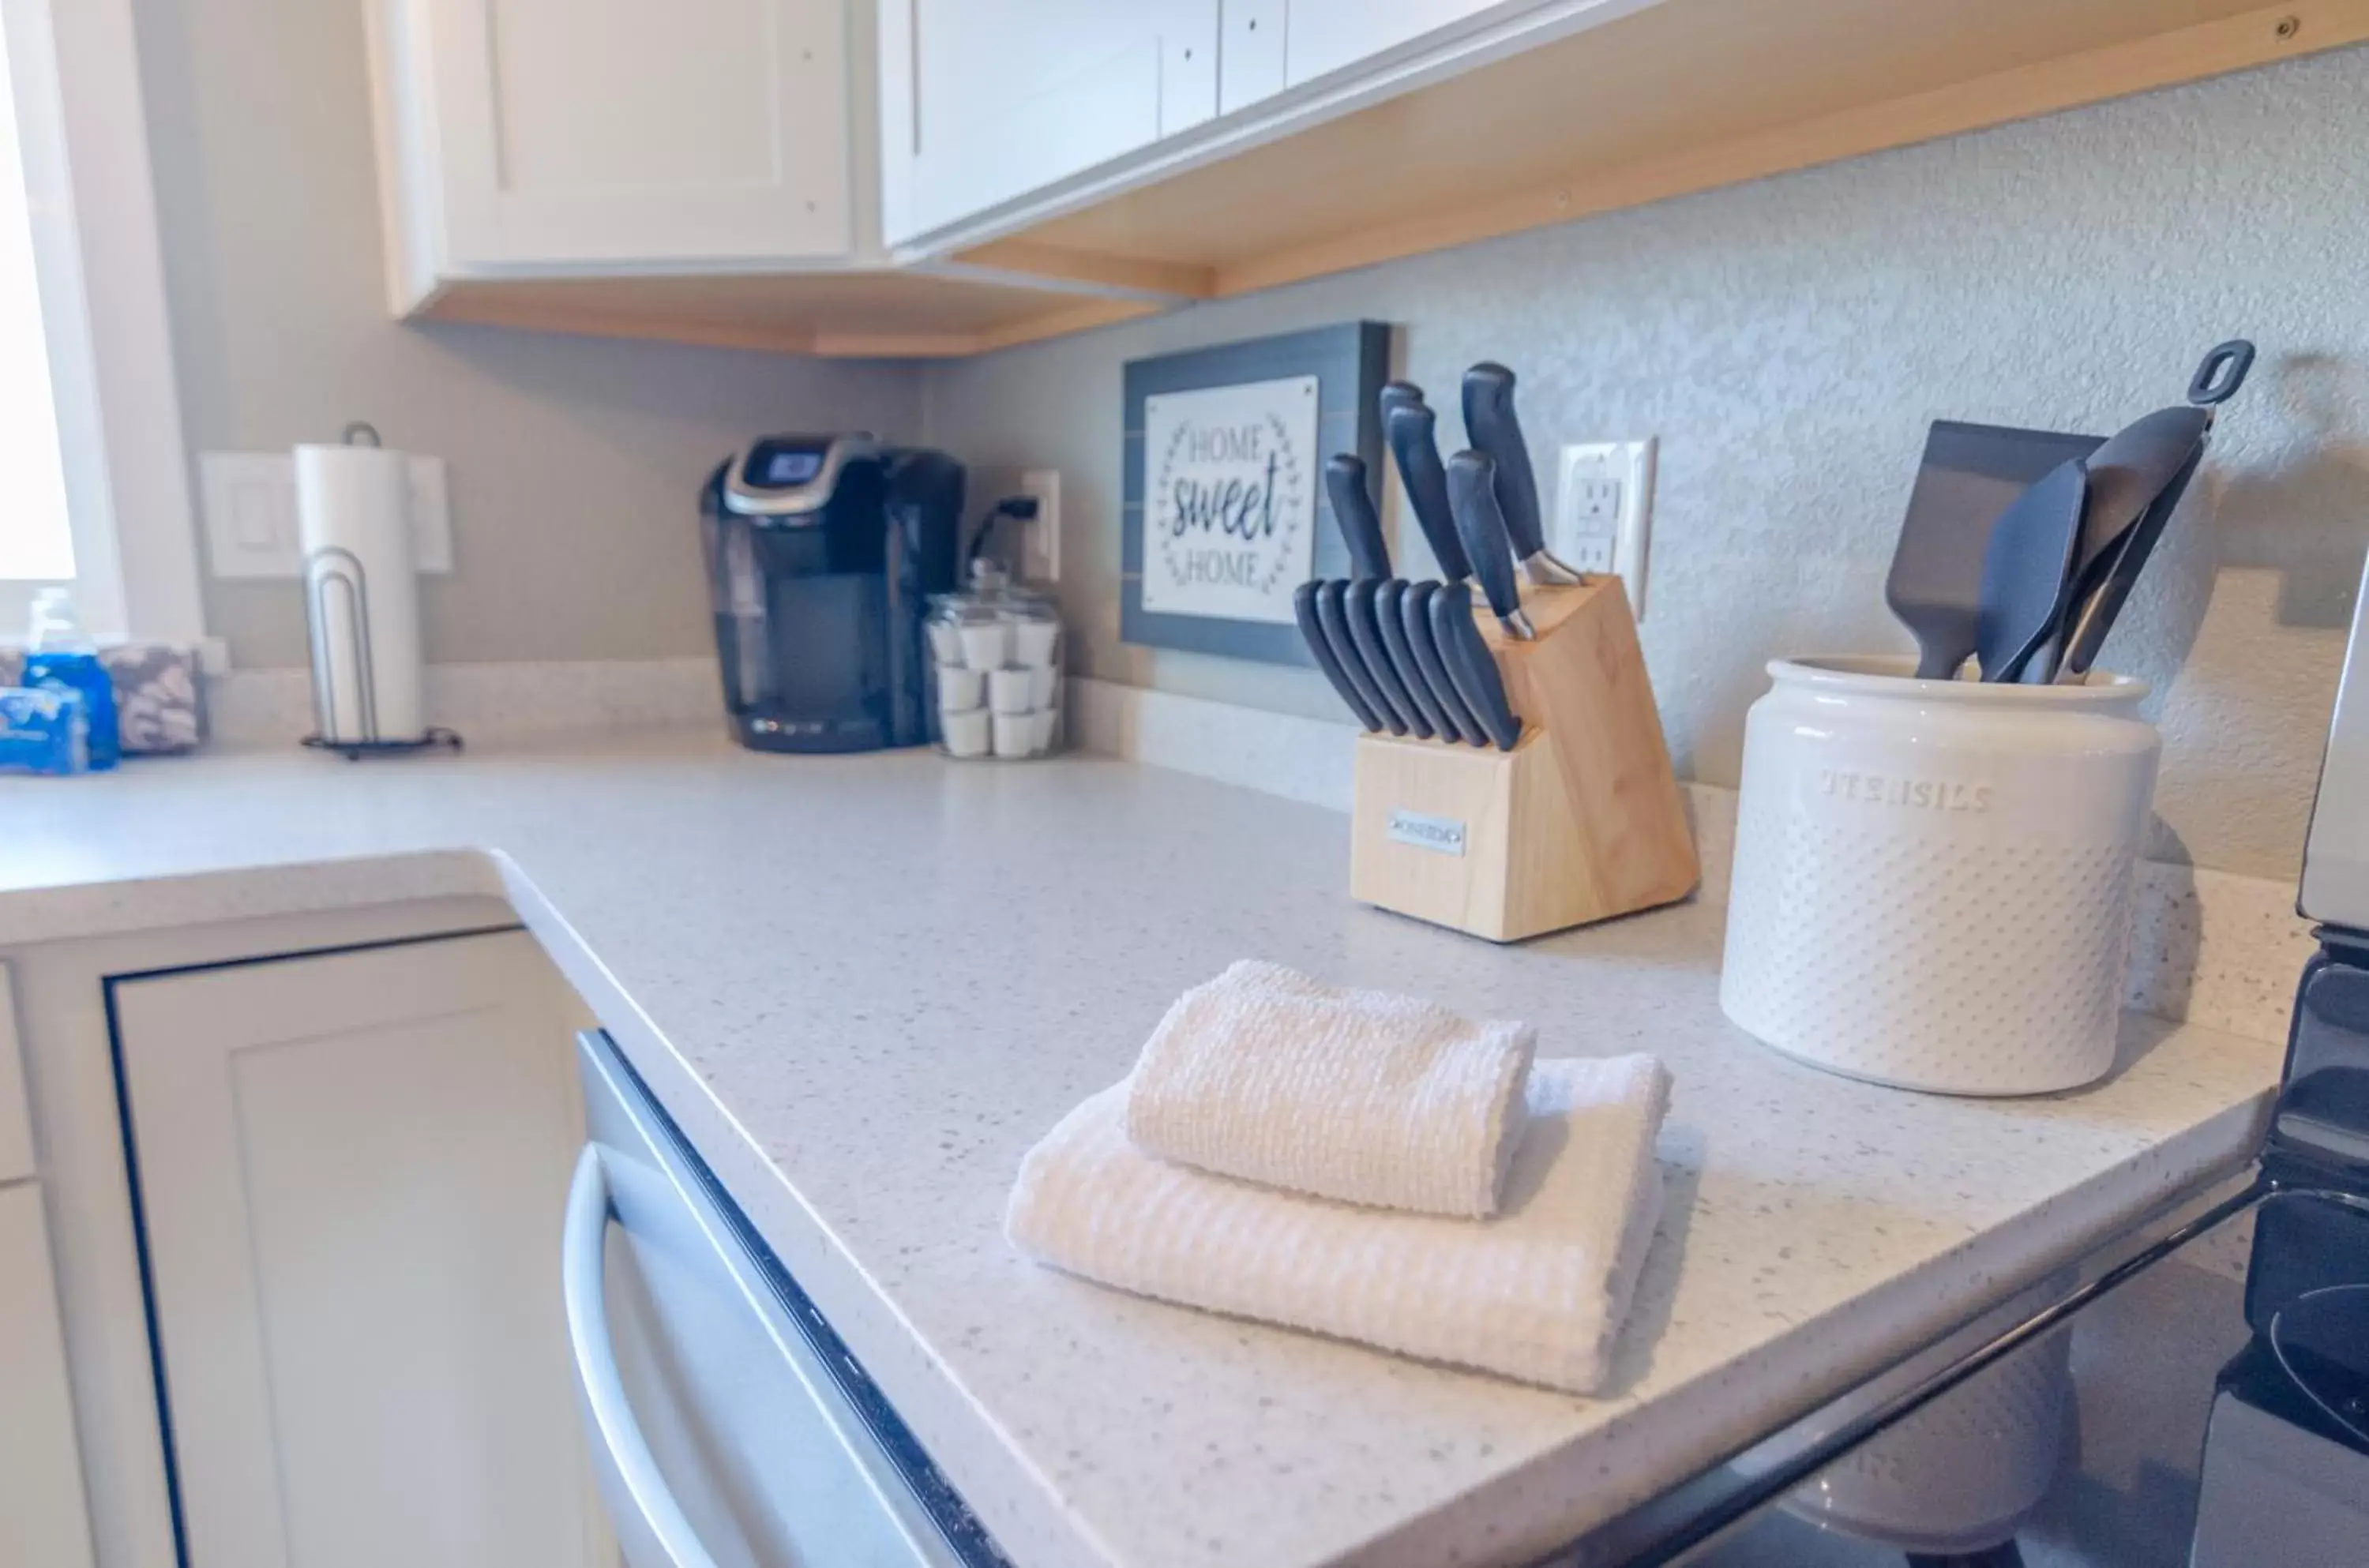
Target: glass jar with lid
[{"x": 995, "y": 668}]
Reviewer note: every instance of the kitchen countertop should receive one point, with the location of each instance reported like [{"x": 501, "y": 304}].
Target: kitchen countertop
[{"x": 864, "y": 986}]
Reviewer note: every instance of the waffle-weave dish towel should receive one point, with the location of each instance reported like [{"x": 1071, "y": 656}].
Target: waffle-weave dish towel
[
  {"x": 1536, "y": 1294},
  {"x": 1266, "y": 1074}
]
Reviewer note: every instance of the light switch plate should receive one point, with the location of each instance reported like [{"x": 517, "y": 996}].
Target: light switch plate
[{"x": 249, "y": 502}]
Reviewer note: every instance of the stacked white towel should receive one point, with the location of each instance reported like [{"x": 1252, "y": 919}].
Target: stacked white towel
[
  {"x": 1537, "y": 1293},
  {"x": 1268, "y": 1075}
]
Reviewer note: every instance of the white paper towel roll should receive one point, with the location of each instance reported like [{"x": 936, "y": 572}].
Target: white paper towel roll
[{"x": 362, "y": 595}]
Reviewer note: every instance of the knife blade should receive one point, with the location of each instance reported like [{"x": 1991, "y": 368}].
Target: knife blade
[
  {"x": 1470, "y": 664},
  {"x": 1411, "y": 428},
  {"x": 1490, "y": 425},
  {"x": 1471, "y": 489}
]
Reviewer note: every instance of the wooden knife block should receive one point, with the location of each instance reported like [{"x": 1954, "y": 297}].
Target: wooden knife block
[{"x": 1580, "y": 821}]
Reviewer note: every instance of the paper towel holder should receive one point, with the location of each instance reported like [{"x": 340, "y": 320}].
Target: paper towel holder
[{"x": 337, "y": 579}]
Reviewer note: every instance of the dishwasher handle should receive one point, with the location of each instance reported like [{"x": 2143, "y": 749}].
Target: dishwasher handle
[{"x": 649, "y": 1523}]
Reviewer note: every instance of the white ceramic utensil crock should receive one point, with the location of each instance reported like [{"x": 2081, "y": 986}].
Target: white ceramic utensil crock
[{"x": 1933, "y": 879}]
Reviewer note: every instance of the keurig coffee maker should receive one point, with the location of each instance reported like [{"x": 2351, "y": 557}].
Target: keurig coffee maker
[{"x": 821, "y": 550}]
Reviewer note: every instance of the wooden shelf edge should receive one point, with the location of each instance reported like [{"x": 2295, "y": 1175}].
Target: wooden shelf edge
[
  {"x": 2211, "y": 48},
  {"x": 520, "y": 310}
]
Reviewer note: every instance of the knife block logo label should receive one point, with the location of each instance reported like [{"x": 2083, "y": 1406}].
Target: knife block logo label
[
  {"x": 1229, "y": 512},
  {"x": 1421, "y": 830}
]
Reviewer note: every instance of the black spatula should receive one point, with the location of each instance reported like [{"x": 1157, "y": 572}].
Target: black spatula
[
  {"x": 2025, "y": 570},
  {"x": 1969, "y": 475}
]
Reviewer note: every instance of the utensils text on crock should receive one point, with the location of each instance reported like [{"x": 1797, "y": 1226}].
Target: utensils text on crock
[
  {"x": 1472, "y": 493},
  {"x": 1969, "y": 475},
  {"x": 1490, "y": 427},
  {"x": 2154, "y": 466},
  {"x": 1414, "y": 610},
  {"x": 1369, "y": 568},
  {"x": 2024, "y": 572},
  {"x": 1470, "y": 664}
]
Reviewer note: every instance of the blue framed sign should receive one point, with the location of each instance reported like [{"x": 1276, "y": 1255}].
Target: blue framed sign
[{"x": 1225, "y": 508}]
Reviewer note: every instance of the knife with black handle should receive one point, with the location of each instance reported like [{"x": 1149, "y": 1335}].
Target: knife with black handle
[
  {"x": 1490, "y": 425},
  {"x": 1414, "y": 610},
  {"x": 1320, "y": 646},
  {"x": 1369, "y": 568},
  {"x": 1332, "y": 616},
  {"x": 1470, "y": 664},
  {"x": 1472, "y": 492},
  {"x": 1410, "y": 428}
]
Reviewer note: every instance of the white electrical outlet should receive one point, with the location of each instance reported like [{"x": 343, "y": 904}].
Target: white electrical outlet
[
  {"x": 248, "y": 500},
  {"x": 1604, "y": 509},
  {"x": 1040, "y": 542}
]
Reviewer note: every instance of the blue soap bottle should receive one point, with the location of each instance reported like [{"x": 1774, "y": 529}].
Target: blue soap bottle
[{"x": 59, "y": 653}]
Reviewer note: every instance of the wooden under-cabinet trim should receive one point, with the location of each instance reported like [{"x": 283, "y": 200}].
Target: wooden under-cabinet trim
[
  {"x": 520, "y": 310},
  {"x": 2256, "y": 37},
  {"x": 1057, "y": 324},
  {"x": 546, "y": 307},
  {"x": 1023, "y": 261}
]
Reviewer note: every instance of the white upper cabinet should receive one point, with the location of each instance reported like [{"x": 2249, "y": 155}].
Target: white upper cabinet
[
  {"x": 522, "y": 134},
  {"x": 986, "y": 100},
  {"x": 1324, "y": 36}
]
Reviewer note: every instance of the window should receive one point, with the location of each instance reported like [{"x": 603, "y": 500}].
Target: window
[
  {"x": 94, "y": 487},
  {"x": 35, "y": 541}
]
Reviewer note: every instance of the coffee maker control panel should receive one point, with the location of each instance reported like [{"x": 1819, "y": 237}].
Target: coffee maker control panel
[{"x": 792, "y": 476}]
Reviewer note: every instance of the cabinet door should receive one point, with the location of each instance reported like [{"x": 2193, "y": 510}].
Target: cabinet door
[
  {"x": 1323, "y": 36},
  {"x": 351, "y": 1172},
  {"x": 42, "y": 1516},
  {"x": 983, "y": 100},
  {"x": 621, "y": 131}
]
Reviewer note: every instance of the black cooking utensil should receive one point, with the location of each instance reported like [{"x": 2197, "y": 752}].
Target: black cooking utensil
[
  {"x": 1490, "y": 427},
  {"x": 1414, "y": 610},
  {"x": 1472, "y": 495},
  {"x": 1470, "y": 665},
  {"x": 1320, "y": 647},
  {"x": 1970, "y": 474},
  {"x": 2024, "y": 571},
  {"x": 2143, "y": 471},
  {"x": 1394, "y": 394},
  {"x": 1410, "y": 426},
  {"x": 1369, "y": 568}
]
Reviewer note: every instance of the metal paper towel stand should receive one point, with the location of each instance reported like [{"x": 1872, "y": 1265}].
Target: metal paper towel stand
[{"x": 332, "y": 573}]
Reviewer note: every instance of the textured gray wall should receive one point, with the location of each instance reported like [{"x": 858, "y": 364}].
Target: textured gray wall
[
  {"x": 574, "y": 463},
  {"x": 1790, "y": 341}
]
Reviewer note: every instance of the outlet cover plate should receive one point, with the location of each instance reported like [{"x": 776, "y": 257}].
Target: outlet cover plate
[
  {"x": 1040, "y": 545},
  {"x": 248, "y": 499},
  {"x": 1604, "y": 510}
]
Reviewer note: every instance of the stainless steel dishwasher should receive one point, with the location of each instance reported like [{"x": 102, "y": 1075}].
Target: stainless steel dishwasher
[{"x": 729, "y": 1427}]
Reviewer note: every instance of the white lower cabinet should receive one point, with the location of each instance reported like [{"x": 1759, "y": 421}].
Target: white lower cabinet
[
  {"x": 349, "y": 1172},
  {"x": 43, "y": 1514}
]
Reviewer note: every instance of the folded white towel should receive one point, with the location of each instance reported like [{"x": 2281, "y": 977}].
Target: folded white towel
[
  {"x": 1264, "y": 1074},
  {"x": 1536, "y": 1293}
]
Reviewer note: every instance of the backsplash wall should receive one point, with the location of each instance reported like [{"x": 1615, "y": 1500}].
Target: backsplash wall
[{"x": 1790, "y": 341}]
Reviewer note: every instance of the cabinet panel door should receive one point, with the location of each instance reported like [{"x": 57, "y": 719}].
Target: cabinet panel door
[
  {"x": 352, "y": 1169},
  {"x": 43, "y": 1514},
  {"x": 1326, "y": 35},
  {"x": 1009, "y": 96},
  {"x": 619, "y": 131}
]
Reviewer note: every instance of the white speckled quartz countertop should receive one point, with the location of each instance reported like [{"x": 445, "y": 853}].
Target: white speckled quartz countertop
[{"x": 864, "y": 985}]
